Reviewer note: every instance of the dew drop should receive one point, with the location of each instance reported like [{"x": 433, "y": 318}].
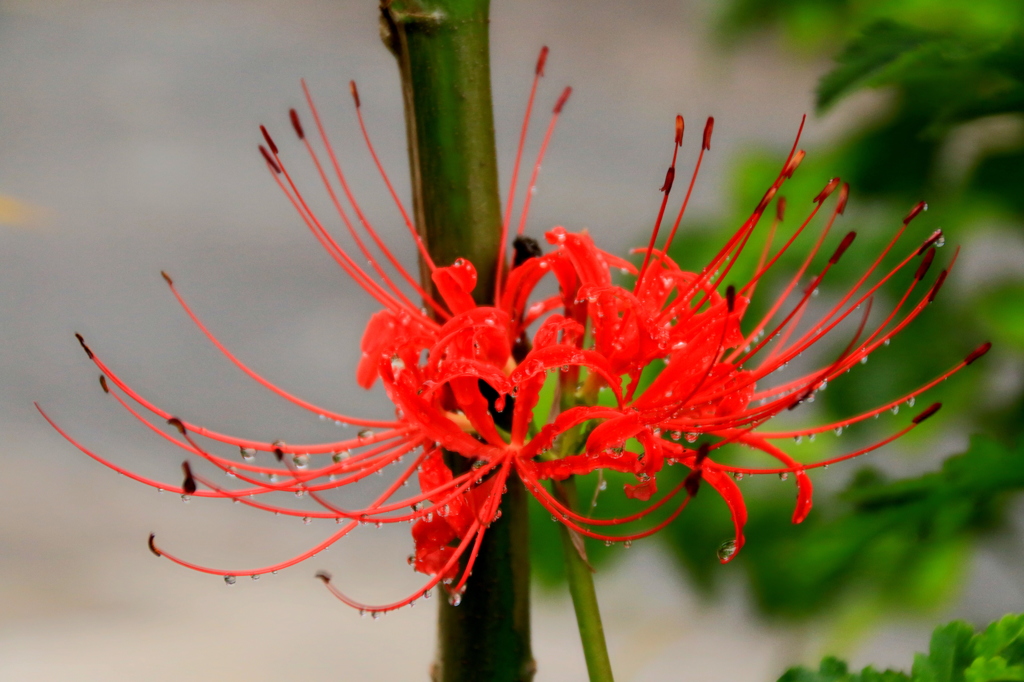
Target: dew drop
[
  {"x": 185, "y": 498},
  {"x": 895, "y": 409},
  {"x": 255, "y": 576},
  {"x": 911, "y": 401},
  {"x": 726, "y": 549},
  {"x": 365, "y": 433},
  {"x": 455, "y": 599},
  {"x": 839, "y": 430},
  {"x": 784, "y": 476},
  {"x": 627, "y": 544},
  {"x": 229, "y": 579}
]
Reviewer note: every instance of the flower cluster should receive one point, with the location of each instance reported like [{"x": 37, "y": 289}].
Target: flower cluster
[{"x": 469, "y": 381}]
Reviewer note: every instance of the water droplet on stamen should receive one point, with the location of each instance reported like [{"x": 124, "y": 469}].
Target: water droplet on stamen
[
  {"x": 784, "y": 475},
  {"x": 229, "y": 579}
]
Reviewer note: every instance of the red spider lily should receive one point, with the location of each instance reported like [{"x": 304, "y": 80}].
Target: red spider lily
[{"x": 466, "y": 378}]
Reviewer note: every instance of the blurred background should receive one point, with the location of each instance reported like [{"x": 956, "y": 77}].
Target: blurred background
[{"x": 128, "y": 135}]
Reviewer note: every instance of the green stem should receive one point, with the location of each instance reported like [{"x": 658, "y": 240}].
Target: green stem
[
  {"x": 442, "y": 50},
  {"x": 581, "y": 587}
]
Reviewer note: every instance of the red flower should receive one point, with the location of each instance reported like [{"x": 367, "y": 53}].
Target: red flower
[{"x": 467, "y": 378}]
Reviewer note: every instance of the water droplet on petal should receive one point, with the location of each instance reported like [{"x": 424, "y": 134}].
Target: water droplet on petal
[{"x": 726, "y": 549}]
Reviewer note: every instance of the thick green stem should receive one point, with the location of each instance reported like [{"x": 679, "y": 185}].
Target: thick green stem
[
  {"x": 442, "y": 50},
  {"x": 581, "y": 587}
]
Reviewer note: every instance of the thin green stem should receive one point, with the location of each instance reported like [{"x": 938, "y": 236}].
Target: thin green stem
[{"x": 581, "y": 587}]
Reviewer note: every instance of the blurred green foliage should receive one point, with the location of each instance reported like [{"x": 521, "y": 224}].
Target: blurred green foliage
[
  {"x": 956, "y": 654},
  {"x": 950, "y": 130}
]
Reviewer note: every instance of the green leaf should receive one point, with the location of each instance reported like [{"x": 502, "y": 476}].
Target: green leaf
[
  {"x": 993, "y": 669},
  {"x": 956, "y": 654},
  {"x": 880, "y": 45}
]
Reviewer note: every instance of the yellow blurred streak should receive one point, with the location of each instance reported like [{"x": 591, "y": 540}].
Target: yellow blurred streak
[{"x": 17, "y": 213}]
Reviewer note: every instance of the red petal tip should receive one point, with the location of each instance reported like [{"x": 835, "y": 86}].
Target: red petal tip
[
  {"x": 978, "y": 352},
  {"x": 927, "y": 412}
]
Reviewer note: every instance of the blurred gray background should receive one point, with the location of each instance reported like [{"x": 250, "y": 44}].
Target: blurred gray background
[{"x": 128, "y": 135}]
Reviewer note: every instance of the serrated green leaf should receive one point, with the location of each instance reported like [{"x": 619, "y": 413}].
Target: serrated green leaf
[{"x": 994, "y": 669}]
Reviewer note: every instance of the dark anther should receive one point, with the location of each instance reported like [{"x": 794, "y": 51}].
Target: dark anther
[
  {"x": 176, "y": 423},
  {"x": 978, "y": 352},
  {"x": 843, "y": 246},
  {"x": 541, "y": 59},
  {"x": 780, "y": 208},
  {"x": 501, "y": 419},
  {"x": 670, "y": 177},
  {"x": 708, "y": 127},
  {"x": 188, "y": 486},
  {"x": 928, "y": 411},
  {"x": 824, "y": 194},
  {"x": 525, "y": 248},
  {"x": 693, "y": 479},
  {"x": 730, "y": 297},
  {"x": 270, "y": 140},
  {"x": 560, "y": 104},
  {"x": 103, "y": 383},
  {"x": 270, "y": 159},
  {"x": 84, "y": 347},
  {"x": 938, "y": 285},
  {"x": 936, "y": 235},
  {"x": 692, "y": 482},
  {"x": 152, "y": 545},
  {"x": 324, "y": 576},
  {"x": 793, "y": 163},
  {"x": 926, "y": 263},
  {"x": 844, "y": 195},
  {"x": 167, "y": 278},
  {"x": 355, "y": 92},
  {"x": 914, "y": 212},
  {"x": 294, "y": 116},
  {"x": 279, "y": 454}
]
